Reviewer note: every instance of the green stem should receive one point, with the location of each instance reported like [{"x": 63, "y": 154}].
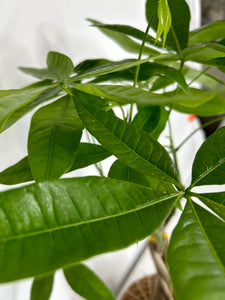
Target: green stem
[
  {"x": 176, "y": 42},
  {"x": 201, "y": 127},
  {"x": 199, "y": 75},
  {"x": 137, "y": 70},
  {"x": 173, "y": 150},
  {"x": 142, "y": 47},
  {"x": 66, "y": 89},
  {"x": 97, "y": 166},
  {"x": 123, "y": 113}
]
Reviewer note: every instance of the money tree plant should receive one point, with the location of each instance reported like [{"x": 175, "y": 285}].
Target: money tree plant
[{"x": 57, "y": 222}]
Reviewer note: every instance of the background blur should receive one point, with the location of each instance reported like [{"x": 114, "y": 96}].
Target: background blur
[{"x": 28, "y": 30}]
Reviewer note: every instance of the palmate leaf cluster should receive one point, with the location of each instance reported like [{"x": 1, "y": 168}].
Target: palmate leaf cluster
[{"x": 59, "y": 222}]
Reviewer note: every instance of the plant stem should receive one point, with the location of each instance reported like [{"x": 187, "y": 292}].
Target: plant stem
[
  {"x": 137, "y": 70},
  {"x": 66, "y": 89},
  {"x": 123, "y": 113},
  {"x": 158, "y": 253},
  {"x": 173, "y": 149},
  {"x": 142, "y": 47},
  {"x": 201, "y": 127},
  {"x": 199, "y": 75},
  {"x": 97, "y": 166}
]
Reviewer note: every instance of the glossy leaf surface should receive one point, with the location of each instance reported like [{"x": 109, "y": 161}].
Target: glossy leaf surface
[
  {"x": 90, "y": 64},
  {"x": 208, "y": 33},
  {"x": 209, "y": 163},
  {"x": 42, "y": 224},
  {"x": 126, "y": 94},
  {"x": 151, "y": 69},
  {"x": 59, "y": 65},
  {"x": 42, "y": 98},
  {"x": 204, "y": 52},
  {"x": 215, "y": 201},
  {"x": 164, "y": 17},
  {"x": 177, "y": 37},
  {"x": 215, "y": 106},
  {"x": 110, "y": 68},
  {"x": 37, "y": 73},
  {"x": 196, "y": 255},
  {"x": 120, "y": 171},
  {"x": 18, "y": 173},
  {"x": 54, "y": 136},
  {"x": 86, "y": 283},
  {"x": 160, "y": 83},
  {"x": 59, "y": 68},
  {"x": 42, "y": 287},
  {"x": 121, "y": 33},
  {"x": 14, "y": 100},
  {"x": 134, "y": 147},
  {"x": 87, "y": 154},
  {"x": 151, "y": 119},
  {"x": 147, "y": 70}
]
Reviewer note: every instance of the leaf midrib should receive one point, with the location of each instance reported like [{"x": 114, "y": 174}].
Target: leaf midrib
[
  {"x": 206, "y": 238},
  {"x": 57, "y": 122},
  {"x": 58, "y": 228},
  {"x": 110, "y": 70},
  {"x": 173, "y": 180},
  {"x": 207, "y": 172}
]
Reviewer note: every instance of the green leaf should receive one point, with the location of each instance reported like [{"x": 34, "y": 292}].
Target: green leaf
[
  {"x": 36, "y": 237},
  {"x": 54, "y": 136},
  {"x": 151, "y": 119},
  {"x": 86, "y": 283},
  {"x": 120, "y": 171},
  {"x": 209, "y": 163},
  {"x": 37, "y": 73},
  {"x": 151, "y": 69},
  {"x": 87, "y": 154},
  {"x": 208, "y": 33},
  {"x": 102, "y": 65},
  {"x": 126, "y": 94},
  {"x": 18, "y": 173},
  {"x": 214, "y": 106},
  {"x": 90, "y": 64},
  {"x": 13, "y": 100},
  {"x": 60, "y": 67},
  {"x": 202, "y": 77},
  {"x": 164, "y": 17},
  {"x": 160, "y": 83},
  {"x": 204, "y": 52},
  {"x": 177, "y": 37},
  {"x": 147, "y": 70},
  {"x": 134, "y": 147},
  {"x": 196, "y": 255},
  {"x": 110, "y": 68},
  {"x": 120, "y": 34},
  {"x": 215, "y": 201},
  {"x": 45, "y": 96},
  {"x": 42, "y": 287},
  {"x": 218, "y": 62}
]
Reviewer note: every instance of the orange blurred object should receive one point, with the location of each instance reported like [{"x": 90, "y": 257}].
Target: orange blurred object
[{"x": 191, "y": 118}]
